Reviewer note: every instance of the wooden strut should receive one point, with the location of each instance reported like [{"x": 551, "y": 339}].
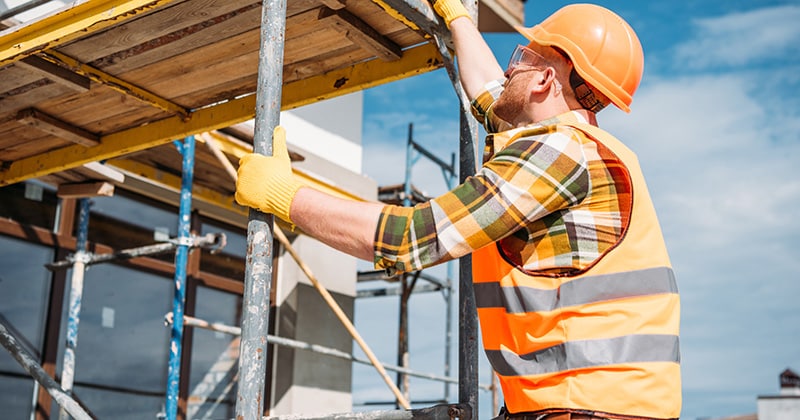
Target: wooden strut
[{"x": 337, "y": 310}]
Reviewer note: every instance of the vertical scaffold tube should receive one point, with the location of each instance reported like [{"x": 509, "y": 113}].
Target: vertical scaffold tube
[
  {"x": 468, "y": 316},
  {"x": 250, "y": 396},
  {"x": 181, "y": 258},
  {"x": 75, "y": 297}
]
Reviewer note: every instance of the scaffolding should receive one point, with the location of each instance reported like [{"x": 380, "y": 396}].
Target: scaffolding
[
  {"x": 406, "y": 194},
  {"x": 270, "y": 96}
]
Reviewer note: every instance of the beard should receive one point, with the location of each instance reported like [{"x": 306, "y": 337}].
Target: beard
[{"x": 511, "y": 104}]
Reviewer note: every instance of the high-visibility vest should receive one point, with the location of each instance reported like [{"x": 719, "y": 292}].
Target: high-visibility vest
[{"x": 604, "y": 339}]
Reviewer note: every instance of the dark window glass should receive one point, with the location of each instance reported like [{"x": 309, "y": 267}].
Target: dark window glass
[
  {"x": 31, "y": 203},
  {"x": 15, "y": 396},
  {"x": 214, "y": 357},
  {"x": 126, "y": 221},
  {"x": 230, "y": 260},
  {"x": 24, "y": 289},
  {"x": 123, "y": 345},
  {"x": 120, "y": 405}
]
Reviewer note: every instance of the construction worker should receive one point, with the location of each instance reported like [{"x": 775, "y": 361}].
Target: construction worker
[{"x": 577, "y": 301}]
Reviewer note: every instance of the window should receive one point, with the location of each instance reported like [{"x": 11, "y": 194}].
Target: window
[
  {"x": 24, "y": 290},
  {"x": 212, "y": 393},
  {"x": 123, "y": 345}
]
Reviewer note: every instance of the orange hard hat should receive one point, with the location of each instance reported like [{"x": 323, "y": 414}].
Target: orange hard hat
[{"x": 603, "y": 48}]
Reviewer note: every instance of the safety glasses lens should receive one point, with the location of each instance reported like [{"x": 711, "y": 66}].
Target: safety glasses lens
[{"x": 524, "y": 56}]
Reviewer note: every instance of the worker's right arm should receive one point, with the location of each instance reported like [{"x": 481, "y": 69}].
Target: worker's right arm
[{"x": 477, "y": 64}]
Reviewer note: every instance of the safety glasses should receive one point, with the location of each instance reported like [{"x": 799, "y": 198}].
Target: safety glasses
[{"x": 524, "y": 56}]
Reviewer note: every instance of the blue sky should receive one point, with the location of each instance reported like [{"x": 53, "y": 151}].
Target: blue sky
[{"x": 715, "y": 124}]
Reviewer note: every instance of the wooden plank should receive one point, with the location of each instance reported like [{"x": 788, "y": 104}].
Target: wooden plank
[
  {"x": 16, "y": 136},
  {"x": 27, "y": 142},
  {"x": 55, "y": 73},
  {"x": 321, "y": 64},
  {"x": 102, "y": 110},
  {"x": 150, "y": 27},
  {"x": 70, "y": 23},
  {"x": 51, "y": 125},
  {"x": 295, "y": 7},
  {"x": 334, "y": 4},
  {"x": 30, "y": 95},
  {"x": 13, "y": 76},
  {"x": 361, "y": 33},
  {"x": 237, "y": 25},
  {"x": 223, "y": 90},
  {"x": 85, "y": 190},
  {"x": 199, "y": 78},
  {"x": 97, "y": 170},
  {"x": 376, "y": 17},
  {"x": 314, "y": 44}
]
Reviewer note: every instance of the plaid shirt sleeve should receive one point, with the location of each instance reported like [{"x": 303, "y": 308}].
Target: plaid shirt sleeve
[
  {"x": 482, "y": 107},
  {"x": 532, "y": 177}
]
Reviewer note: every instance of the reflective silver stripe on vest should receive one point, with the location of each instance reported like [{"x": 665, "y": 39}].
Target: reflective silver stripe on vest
[
  {"x": 590, "y": 289},
  {"x": 587, "y": 353}
]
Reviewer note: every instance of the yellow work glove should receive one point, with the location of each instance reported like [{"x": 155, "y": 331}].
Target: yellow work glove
[
  {"x": 266, "y": 183},
  {"x": 449, "y": 10}
]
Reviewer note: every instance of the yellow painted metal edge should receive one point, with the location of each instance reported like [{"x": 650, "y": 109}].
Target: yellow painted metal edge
[
  {"x": 75, "y": 21},
  {"x": 130, "y": 140},
  {"x": 418, "y": 60},
  {"x": 396, "y": 15}
]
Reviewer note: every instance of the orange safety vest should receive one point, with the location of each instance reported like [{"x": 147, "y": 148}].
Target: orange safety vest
[{"x": 605, "y": 339}]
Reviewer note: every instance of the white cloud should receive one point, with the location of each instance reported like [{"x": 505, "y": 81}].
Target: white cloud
[
  {"x": 712, "y": 157},
  {"x": 740, "y": 39}
]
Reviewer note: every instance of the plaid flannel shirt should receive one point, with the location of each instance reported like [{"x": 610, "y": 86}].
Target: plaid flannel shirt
[{"x": 543, "y": 193}]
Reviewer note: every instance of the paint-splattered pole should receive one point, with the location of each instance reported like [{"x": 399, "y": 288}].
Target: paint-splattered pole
[
  {"x": 32, "y": 367},
  {"x": 75, "y": 298},
  {"x": 258, "y": 270},
  {"x": 181, "y": 258}
]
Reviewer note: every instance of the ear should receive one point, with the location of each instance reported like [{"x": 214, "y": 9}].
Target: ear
[{"x": 544, "y": 80}]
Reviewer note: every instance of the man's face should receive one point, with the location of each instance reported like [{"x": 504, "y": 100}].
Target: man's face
[{"x": 522, "y": 66}]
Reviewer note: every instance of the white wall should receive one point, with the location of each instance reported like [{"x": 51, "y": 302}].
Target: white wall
[{"x": 779, "y": 408}]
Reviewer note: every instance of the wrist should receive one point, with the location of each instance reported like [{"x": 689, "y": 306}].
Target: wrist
[
  {"x": 281, "y": 197},
  {"x": 450, "y": 10}
]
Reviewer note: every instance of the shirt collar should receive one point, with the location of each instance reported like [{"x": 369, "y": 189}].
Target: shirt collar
[{"x": 498, "y": 141}]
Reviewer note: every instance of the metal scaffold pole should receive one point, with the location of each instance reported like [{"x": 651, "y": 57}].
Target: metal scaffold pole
[
  {"x": 258, "y": 269},
  {"x": 468, "y": 318},
  {"x": 181, "y": 257},
  {"x": 28, "y": 362},
  {"x": 75, "y": 298},
  {"x": 467, "y": 312}
]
